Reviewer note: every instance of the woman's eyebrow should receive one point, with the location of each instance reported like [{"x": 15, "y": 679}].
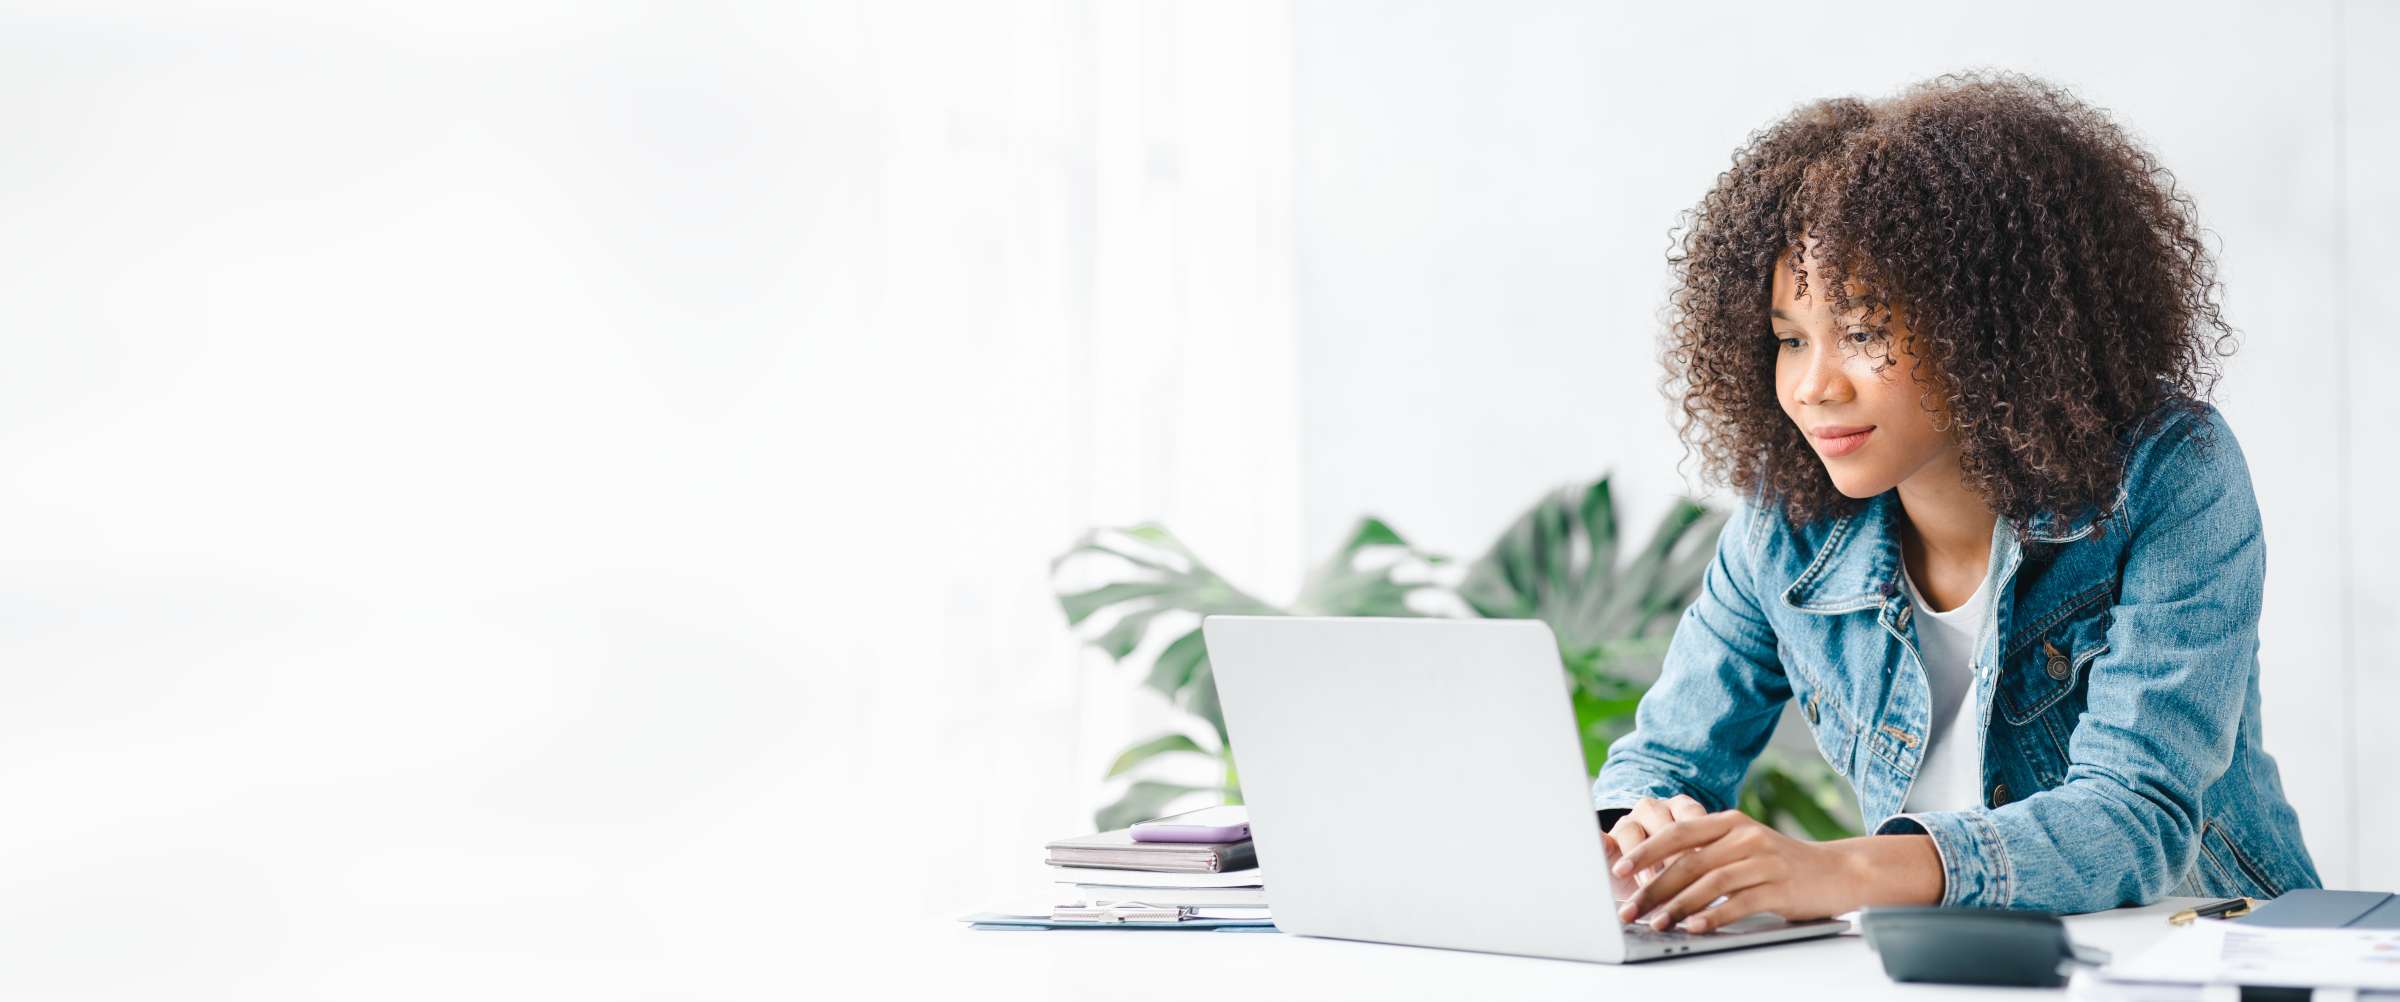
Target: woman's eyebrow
[{"x": 1778, "y": 313}]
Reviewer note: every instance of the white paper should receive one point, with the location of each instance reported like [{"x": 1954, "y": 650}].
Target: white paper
[
  {"x": 2225, "y": 953},
  {"x": 1151, "y": 878}
]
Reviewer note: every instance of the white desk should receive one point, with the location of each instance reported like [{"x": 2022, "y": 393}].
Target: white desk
[{"x": 972, "y": 964}]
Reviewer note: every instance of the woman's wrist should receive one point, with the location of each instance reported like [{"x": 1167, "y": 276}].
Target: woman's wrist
[{"x": 1894, "y": 869}]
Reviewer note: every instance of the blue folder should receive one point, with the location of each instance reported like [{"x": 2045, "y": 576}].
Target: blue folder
[
  {"x": 994, "y": 920},
  {"x": 2315, "y": 909}
]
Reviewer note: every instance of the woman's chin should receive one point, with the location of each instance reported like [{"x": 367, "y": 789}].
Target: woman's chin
[{"x": 1858, "y": 488}]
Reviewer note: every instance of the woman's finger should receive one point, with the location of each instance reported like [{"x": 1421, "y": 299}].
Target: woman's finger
[
  {"x": 1680, "y": 807},
  {"x": 1652, "y": 814},
  {"x": 1644, "y": 817},
  {"x": 1737, "y": 906},
  {"x": 1626, "y": 834},
  {"x": 1739, "y": 875},
  {"x": 1656, "y": 815},
  {"x": 1678, "y": 874},
  {"x": 1676, "y": 836}
]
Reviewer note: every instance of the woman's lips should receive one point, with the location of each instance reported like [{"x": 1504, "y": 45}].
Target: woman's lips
[{"x": 1837, "y": 446}]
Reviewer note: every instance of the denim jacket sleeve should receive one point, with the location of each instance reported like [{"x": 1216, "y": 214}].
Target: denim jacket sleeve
[
  {"x": 2164, "y": 705},
  {"x": 1717, "y": 696}
]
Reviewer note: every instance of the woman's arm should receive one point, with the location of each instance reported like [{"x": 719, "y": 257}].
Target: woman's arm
[
  {"x": 1716, "y": 700},
  {"x": 1743, "y": 866}
]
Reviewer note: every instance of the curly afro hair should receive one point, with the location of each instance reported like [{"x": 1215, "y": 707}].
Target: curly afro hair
[{"x": 2049, "y": 273}]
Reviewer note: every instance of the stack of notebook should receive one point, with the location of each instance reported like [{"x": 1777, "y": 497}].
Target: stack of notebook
[
  {"x": 1216, "y": 880},
  {"x": 1116, "y": 850}
]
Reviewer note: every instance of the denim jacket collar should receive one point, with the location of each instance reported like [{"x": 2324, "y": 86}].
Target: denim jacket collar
[
  {"x": 1855, "y": 568},
  {"x": 2051, "y": 527},
  {"x": 1858, "y": 565}
]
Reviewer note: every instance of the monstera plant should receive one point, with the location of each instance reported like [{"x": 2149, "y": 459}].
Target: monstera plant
[{"x": 1559, "y": 563}]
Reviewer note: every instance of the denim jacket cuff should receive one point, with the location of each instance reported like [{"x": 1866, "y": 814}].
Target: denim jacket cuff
[
  {"x": 1624, "y": 796},
  {"x": 1975, "y": 867}
]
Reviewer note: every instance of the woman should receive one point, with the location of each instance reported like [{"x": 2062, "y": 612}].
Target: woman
[{"x": 1955, "y": 349}]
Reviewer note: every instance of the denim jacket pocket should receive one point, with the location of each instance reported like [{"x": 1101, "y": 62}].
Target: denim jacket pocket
[
  {"x": 2045, "y": 665},
  {"x": 1828, "y": 720}
]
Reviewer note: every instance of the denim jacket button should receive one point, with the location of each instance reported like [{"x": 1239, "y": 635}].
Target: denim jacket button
[
  {"x": 2057, "y": 666},
  {"x": 1999, "y": 794},
  {"x": 1902, "y": 621},
  {"x": 1809, "y": 709}
]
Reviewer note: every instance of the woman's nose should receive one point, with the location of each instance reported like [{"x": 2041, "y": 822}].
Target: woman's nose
[{"x": 1823, "y": 381}]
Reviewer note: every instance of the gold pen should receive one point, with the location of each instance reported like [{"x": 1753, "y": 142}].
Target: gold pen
[{"x": 2235, "y": 908}]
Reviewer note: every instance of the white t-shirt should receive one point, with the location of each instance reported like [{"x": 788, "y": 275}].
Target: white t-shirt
[{"x": 1950, "y": 776}]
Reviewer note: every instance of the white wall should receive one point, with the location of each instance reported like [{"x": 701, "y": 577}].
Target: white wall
[
  {"x": 554, "y": 500},
  {"x": 1482, "y": 211},
  {"x": 2366, "y": 288}
]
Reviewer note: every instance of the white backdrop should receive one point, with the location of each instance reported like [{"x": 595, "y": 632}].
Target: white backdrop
[
  {"x": 1482, "y": 216},
  {"x": 554, "y": 500}
]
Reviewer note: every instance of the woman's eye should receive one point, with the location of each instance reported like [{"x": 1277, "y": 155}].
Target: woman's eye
[{"x": 1861, "y": 336}]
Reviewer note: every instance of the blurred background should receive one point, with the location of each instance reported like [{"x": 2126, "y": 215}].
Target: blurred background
[{"x": 558, "y": 498}]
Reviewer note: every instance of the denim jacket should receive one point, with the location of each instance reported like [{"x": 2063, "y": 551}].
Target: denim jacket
[{"x": 2116, "y": 680}]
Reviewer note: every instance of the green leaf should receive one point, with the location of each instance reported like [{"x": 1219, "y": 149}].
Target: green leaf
[
  {"x": 1173, "y": 668},
  {"x": 1081, "y": 605},
  {"x": 1775, "y": 795},
  {"x": 1652, "y": 586},
  {"x": 1598, "y": 515},
  {"x": 1164, "y": 744},
  {"x": 1558, "y": 563},
  {"x": 1199, "y": 698},
  {"x": 1157, "y": 535},
  {"x": 1148, "y": 557},
  {"x": 1804, "y": 807},
  {"x": 1604, "y": 707},
  {"x": 1751, "y": 803},
  {"x": 1373, "y": 532},
  {"x": 1339, "y": 587},
  {"x": 1600, "y": 718},
  {"x": 1125, "y": 634},
  {"x": 1165, "y": 578},
  {"x": 1141, "y": 802}
]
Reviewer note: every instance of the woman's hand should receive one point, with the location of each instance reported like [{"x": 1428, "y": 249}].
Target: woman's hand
[
  {"x": 1647, "y": 817},
  {"x": 1754, "y": 868}
]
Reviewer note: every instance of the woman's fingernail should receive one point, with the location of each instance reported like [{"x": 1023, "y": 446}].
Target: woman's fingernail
[
  {"x": 1659, "y": 923},
  {"x": 1625, "y": 914},
  {"x": 1695, "y": 924},
  {"x": 1617, "y": 868}
]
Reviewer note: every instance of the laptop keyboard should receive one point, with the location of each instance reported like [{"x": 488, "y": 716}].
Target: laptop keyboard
[
  {"x": 1760, "y": 922},
  {"x": 1642, "y": 931}
]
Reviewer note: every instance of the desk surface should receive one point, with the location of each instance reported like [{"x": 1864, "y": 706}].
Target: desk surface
[{"x": 1221, "y": 966}]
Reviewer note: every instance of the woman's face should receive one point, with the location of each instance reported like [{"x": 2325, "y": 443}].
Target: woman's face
[{"x": 1851, "y": 392}]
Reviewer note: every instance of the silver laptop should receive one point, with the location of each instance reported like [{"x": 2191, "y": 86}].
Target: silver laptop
[{"x": 1419, "y": 781}]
